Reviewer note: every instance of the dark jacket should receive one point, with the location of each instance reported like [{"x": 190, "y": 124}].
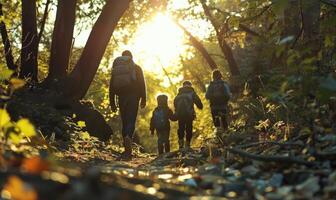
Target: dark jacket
[
  {"x": 138, "y": 88},
  {"x": 210, "y": 92},
  {"x": 196, "y": 99},
  {"x": 169, "y": 114}
]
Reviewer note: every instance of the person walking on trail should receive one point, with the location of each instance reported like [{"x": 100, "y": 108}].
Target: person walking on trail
[
  {"x": 160, "y": 123},
  {"x": 185, "y": 113},
  {"x": 127, "y": 89},
  {"x": 218, "y": 93}
]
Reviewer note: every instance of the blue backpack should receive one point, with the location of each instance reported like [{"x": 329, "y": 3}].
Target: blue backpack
[{"x": 160, "y": 119}]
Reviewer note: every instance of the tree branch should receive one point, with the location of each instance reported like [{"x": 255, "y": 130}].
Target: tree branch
[
  {"x": 199, "y": 46},
  {"x": 5, "y": 40},
  {"x": 264, "y": 158},
  {"x": 44, "y": 19},
  {"x": 329, "y": 2}
]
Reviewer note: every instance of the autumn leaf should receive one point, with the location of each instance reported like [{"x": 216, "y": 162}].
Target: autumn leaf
[
  {"x": 34, "y": 165},
  {"x": 81, "y": 124},
  {"x": 17, "y": 189},
  {"x": 17, "y": 83},
  {"x": 4, "y": 117},
  {"x": 26, "y": 127}
]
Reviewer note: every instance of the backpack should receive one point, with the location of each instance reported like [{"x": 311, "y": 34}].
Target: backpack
[
  {"x": 220, "y": 92},
  {"x": 160, "y": 119},
  {"x": 184, "y": 105},
  {"x": 123, "y": 73}
]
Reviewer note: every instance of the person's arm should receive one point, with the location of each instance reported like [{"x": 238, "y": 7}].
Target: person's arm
[
  {"x": 227, "y": 88},
  {"x": 151, "y": 126},
  {"x": 142, "y": 86},
  {"x": 197, "y": 101},
  {"x": 171, "y": 115},
  {"x": 112, "y": 96},
  {"x": 208, "y": 92}
]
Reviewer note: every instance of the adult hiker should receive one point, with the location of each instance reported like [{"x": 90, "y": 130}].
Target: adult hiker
[
  {"x": 160, "y": 123},
  {"x": 218, "y": 93},
  {"x": 185, "y": 113},
  {"x": 127, "y": 90}
]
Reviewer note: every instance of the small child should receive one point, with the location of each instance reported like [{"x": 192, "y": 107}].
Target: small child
[
  {"x": 160, "y": 122},
  {"x": 219, "y": 94},
  {"x": 185, "y": 113}
]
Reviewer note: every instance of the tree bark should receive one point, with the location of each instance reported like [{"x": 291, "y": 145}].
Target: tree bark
[
  {"x": 199, "y": 46},
  {"x": 5, "y": 40},
  {"x": 62, "y": 39},
  {"x": 226, "y": 49},
  {"x": 29, "y": 48},
  {"x": 291, "y": 19},
  {"x": 311, "y": 21},
  {"x": 85, "y": 69}
]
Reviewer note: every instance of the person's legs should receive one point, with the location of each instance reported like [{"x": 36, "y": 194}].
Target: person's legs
[
  {"x": 215, "y": 118},
  {"x": 128, "y": 105},
  {"x": 189, "y": 129},
  {"x": 181, "y": 132},
  {"x": 166, "y": 141},
  {"x": 160, "y": 142}
]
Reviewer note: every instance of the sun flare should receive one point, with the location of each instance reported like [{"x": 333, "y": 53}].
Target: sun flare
[{"x": 158, "y": 43}]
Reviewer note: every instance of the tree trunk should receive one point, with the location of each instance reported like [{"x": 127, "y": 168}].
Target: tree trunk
[
  {"x": 5, "y": 40},
  {"x": 199, "y": 46},
  {"x": 291, "y": 20},
  {"x": 44, "y": 20},
  {"x": 226, "y": 49},
  {"x": 85, "y": 69},
  {"x": 29, "y": 48},
  {"x": 311, "y": 24},
  {"x": 62, "y": 39}
]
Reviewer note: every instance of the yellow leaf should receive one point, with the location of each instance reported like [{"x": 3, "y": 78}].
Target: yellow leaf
[
  {"x": 26, "y": 127},
  {"x": 81, "y": 124},
  {"x": 19, "y": 190},
  {"x": 17, "y": 83},
  {"x": 4, "y": 117},
  {"x": 85, "y": 135},
  {"x": 15, "y": 138}
]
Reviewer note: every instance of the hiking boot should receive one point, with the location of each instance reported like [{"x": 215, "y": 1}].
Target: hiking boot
[
  {"x": 181, "y": 144},
  {"x": 128, "y": 147}
]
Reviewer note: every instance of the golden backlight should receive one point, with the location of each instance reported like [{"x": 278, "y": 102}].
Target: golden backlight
[{"x": 158, "y": 43}]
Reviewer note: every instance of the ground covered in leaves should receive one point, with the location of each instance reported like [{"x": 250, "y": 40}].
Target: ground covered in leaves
[{"x": 227, "y": 169}]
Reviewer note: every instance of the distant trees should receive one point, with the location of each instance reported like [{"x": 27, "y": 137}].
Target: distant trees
[{"x": 61, "y": 44}]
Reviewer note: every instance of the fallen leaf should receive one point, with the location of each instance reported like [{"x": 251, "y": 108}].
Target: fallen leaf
[
  {"x": 17, "y": 189},
  {"x": 34, "y": 165}
]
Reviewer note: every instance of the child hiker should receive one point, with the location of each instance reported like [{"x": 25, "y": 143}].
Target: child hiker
[
  {"x": 218, "y": 93},
  {"x": 185, "y": 112},
  {"x": 160, "y": 122}
]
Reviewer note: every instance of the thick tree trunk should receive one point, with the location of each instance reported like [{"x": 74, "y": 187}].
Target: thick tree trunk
[
  {"x": 226, "y": 49},
  {"x": 85, "y": 69},
  {"x": 29, "y": 48},
  {"x": 199, "y": 46},
  {"x": 5, "y": 40},
  {"x": 311, "y": 23},
  {"x": 62, "y": 39}
]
